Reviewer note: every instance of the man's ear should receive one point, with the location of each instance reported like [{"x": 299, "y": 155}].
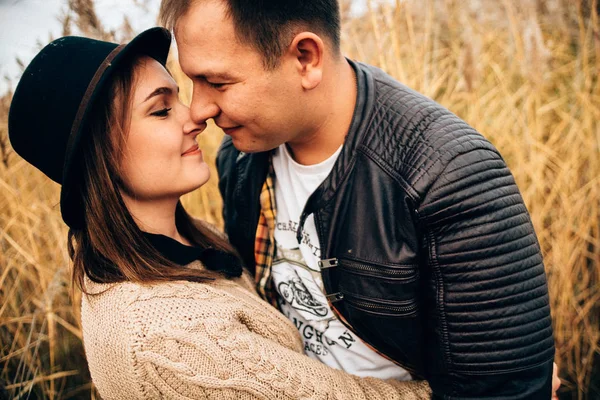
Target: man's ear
[{"x": 308, "y": 50}]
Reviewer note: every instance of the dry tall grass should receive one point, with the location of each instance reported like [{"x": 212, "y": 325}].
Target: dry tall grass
[{"x": 523, "y": 72}]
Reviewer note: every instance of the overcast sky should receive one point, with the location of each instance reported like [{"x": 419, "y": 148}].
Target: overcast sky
[{"x": 24, "y": 23}]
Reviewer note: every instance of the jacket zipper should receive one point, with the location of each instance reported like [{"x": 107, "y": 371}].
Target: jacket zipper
[
  {"x": 402, "y": 274},
  {"x": 406, "y": 307}
]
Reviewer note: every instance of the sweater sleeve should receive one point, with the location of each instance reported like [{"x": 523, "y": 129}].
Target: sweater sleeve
[{"x": 237, "y": 356}]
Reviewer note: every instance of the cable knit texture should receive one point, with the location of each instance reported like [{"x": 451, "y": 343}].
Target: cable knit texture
[{"x": 214, "y": 340}]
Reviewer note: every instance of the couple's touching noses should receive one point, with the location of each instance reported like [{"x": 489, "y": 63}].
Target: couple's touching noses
[
  {"x": 376, "y": 245},
  {"x": 298, "y": 90}
]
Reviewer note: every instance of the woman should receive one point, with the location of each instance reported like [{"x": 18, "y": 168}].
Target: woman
[{"x": 167, "y": 311}]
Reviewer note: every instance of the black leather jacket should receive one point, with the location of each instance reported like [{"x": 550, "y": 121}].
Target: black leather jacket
[{"x": 429, "y": 252}]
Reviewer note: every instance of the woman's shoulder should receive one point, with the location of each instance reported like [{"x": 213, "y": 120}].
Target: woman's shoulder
[
  {"x": 161, "y": 309},
  {"x": 151, "y": 305},
  {"x": 126, "y": 294},
  {"x": 121, "y": 321}
]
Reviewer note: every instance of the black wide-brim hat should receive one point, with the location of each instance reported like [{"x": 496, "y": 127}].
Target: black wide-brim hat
[{"x": 51, "y": 104}]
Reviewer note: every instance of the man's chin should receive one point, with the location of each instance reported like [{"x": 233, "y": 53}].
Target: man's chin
[{"x": 246, "y": 146}]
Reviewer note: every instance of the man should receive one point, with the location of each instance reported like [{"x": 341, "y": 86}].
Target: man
[{"x": 389, "y": 231}]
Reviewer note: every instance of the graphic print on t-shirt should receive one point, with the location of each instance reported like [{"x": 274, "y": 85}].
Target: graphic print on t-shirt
[
  {"x": 302, "y": 300},
  {"x": 295, "y": 292},
  {"x": 299, "y": 286},
  {"x": 290, "y": 226}
]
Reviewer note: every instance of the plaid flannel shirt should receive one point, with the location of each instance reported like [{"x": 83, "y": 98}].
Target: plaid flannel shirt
[{"x": 264, "y": 244}]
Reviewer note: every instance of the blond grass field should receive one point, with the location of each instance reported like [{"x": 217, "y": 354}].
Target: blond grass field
[{"x": 522, "y": 72}]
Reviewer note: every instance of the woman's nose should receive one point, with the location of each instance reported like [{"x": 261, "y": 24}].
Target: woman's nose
[{"x": 191, "y": 126}]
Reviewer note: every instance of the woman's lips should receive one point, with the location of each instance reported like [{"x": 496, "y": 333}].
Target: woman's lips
[{"x": 192, "y": 150}]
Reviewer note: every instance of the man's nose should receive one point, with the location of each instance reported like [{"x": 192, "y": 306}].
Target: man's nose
[{"x": 203, "y": 106}]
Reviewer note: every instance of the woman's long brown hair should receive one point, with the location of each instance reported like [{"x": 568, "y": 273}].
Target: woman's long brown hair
[{"x": 111, "y": 248}]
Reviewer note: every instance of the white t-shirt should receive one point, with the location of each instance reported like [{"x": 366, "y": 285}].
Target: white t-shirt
[{"x": 297, "y": 277}]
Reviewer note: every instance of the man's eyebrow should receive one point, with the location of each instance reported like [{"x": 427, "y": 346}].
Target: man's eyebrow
[
  {"x": 214, "y": 75},
  {"x": 160, "y": 91}
]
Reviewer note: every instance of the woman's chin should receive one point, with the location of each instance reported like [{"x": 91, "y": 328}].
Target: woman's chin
[{"x": 200, "y": 177}]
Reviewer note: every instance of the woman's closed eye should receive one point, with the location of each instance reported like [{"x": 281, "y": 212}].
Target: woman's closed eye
[{"x": 161, "y": 113}]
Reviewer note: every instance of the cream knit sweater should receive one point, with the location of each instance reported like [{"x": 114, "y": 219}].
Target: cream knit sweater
[{"x": 217, "y": 340}]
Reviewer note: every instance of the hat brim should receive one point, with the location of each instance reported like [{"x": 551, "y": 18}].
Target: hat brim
[{"x": 155, "y": 43}]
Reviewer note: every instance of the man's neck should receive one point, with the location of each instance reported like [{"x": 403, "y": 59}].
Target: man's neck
[{"x": 326, "y": 138}]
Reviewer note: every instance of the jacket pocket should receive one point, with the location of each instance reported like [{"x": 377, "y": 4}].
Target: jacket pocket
[
  {"x": 378, "y": 289},
  {"x": 379, "y": 307},
  {"x": 393, "y": 272},
  {"x": 380, "y": 303}
]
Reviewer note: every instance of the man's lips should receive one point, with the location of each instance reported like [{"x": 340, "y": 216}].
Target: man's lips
[
  {"x": 230, "y": 130},
  {"x": 192, "y": 150}
]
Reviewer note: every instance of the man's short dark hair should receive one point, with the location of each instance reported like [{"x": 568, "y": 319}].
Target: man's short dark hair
[{"x": 269, "y": 25}]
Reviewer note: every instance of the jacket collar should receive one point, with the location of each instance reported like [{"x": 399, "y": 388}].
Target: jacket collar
[
  {"x": 363, "y": 111},
  {"x": 365, "y": 89}
]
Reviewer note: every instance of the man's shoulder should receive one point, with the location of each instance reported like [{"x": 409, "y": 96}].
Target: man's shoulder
[
  {"x": 388, "y": 89},
  {"x": 412, "y": 133},
  {"x": 403, "y": 111}
]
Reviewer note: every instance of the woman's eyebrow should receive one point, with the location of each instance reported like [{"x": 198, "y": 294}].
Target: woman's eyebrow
[{"x": 160, "y": 91}]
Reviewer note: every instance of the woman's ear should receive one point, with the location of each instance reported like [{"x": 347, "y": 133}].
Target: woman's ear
[{"x": 308, "y": 50}]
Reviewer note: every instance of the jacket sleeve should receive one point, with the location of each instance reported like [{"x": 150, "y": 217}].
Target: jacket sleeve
[{"x": 489, "y": 298}]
